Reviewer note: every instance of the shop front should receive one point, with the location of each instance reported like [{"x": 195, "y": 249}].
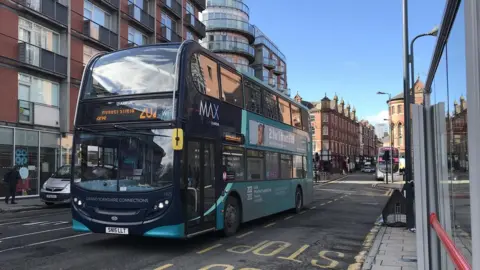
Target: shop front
[{"x": 38, "y": 153}]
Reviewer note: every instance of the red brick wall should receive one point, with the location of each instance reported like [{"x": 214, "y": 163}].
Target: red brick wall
[
  {"x": 9, "y": 93},
  {"x": 123, "y": 33},
  {"x": 8, "y": 33},
  {"x": 76, "y": 60}
]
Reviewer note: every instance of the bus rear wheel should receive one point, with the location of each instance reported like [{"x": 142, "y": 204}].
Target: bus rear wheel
[
  {"x": 231, "y": 216},
  {"x": 298, "y": 200}
]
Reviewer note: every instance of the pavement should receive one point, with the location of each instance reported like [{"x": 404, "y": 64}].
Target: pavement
[
  {"x": 22, "y": 205},
  {"x": 336, "y": 231}
]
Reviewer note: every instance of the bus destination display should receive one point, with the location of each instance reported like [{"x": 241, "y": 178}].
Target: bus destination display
[{"x": 138, "y": 110}]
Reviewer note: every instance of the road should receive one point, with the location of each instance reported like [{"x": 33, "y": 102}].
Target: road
[{"x": 328, "y": 234}]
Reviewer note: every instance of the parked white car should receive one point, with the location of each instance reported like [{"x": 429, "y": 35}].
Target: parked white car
[{"x": 56, "y": 190}]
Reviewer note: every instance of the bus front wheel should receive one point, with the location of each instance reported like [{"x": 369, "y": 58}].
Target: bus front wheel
[
  {"x": 298, "y": 200},
  {"x": 231, "y": 216}
]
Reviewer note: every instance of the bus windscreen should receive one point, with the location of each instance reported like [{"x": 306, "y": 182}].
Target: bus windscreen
[{"x": 134, "y": 71}]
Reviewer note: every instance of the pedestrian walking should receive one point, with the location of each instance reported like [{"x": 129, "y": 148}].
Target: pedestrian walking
[{"x": 11, "y": 179}]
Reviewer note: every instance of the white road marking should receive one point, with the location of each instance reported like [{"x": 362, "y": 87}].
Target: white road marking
[
  {"x": 270, "y": 225},
  {"x": 245, "y": 234},
  {"x": 313, "y": 207},
  {"x": 33, "y": 233},
  {"x": 289, "y": 217},
  {"x": 44, "y": 242}
]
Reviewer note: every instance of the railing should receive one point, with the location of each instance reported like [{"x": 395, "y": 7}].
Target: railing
[
  {"x": 236, "y": 4},
  {"x": 231, "y": 46},
  {"x": 201, "y": 4},
  {"x": 268, "y": 62},
  {"x": 455, "y": 255},
  {"x": 27, "y": 114},
  {"x": 265, "y": 41},
  {"x": 233, "y": 25},
  {"x": 100, "y": 33},
  {"x": 245, "y": 69},
  {"x": 49, "y": 8},
  {"x": 279, "y": 69},
  {"x": 195, "y": 24},
  {"x": 141, "y": 16},
  {"x": 42, "y": 58},
  {"x": 112, "y": 3},
  {"x": 170, "y": 35},
  {"x": 173, "y": 6}
]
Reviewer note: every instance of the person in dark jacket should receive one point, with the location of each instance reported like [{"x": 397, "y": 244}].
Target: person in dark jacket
[{"x": 12, "y": 180}]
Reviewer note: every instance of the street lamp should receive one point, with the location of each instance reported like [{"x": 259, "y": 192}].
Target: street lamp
[
  {"x": 391, "y": 131},
  {"x": 432, "y": 33}
]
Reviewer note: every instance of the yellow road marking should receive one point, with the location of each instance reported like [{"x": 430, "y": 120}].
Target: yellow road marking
[
  {"x": 289, "y": 217},
  {"x": 164, "y": 266},
  {"x": 269, "y": 225},
  {"x": 245, "y": 234},
  {"x": 208, "y": 249}
]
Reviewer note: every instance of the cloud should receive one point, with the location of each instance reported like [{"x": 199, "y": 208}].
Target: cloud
[{"x": 378, "y": 118}]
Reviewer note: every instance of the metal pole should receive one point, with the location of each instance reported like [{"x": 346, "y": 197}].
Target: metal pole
[{"x": 408, "y": 133}]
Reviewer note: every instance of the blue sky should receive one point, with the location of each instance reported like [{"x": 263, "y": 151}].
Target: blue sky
[{"x": 349, "y": 47}]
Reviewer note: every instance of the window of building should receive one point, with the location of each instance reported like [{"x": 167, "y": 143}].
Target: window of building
[
  {"x": 136, "y": 37},
  {"x": 205, "y": 75},
  {"x": 313, "y": 130},
  {"x": 231, "y": 87},
  {"x": 325, "y": 118},
  {"x": 96, "y": 14},
  {"x": 296, "y": 116},
  {"x": 325, "y": 145},
  {"x": 286, "y": 165},
  {"x": 189, "y": 8},
  {"x": 400, "y": 108},
  {"x": 189, "y": 35},
  {"x": 297, "y": 167},
  {"x": 325, "y": 130},
  {"x": 400, "y": 134},
  {"x": 88, "y": 53},
  {"x": 255, "y": 165},
  {"x": 233, "y": 162},
  {"x": 393, "y": 109},
  {"x": 272, "y": 165},
  {"x": 38, "y": 90},
  {"x": 284, "y": 107},
  {"x": 265, "y": 74},
  {"x": 253, "y": 96},
  {"x": 270, "y": 105},
  {"x": 170, "y": 25},
  {"x": 39, "y": 36}
]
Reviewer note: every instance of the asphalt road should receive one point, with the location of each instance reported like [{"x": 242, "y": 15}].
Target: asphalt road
[{"x": 327, "y": 235}]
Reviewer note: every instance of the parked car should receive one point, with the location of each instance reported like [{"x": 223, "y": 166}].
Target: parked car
[{"x": 368, "y": 169}]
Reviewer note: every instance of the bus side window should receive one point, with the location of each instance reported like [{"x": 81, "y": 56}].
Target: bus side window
[
  {"x": 253, "y": 97},
  {"x": 205, "y": 75},
  {"x": 231, "y": 87}
]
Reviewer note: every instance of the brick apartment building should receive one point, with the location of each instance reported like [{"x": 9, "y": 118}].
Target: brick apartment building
[
  {"x": 457, "y": 139},
  {"x": 45, "y": 45},
  {"x": 368, "y": 141},
  {"x": 335, "y": 130}
]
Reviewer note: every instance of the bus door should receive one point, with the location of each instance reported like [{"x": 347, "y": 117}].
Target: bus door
[{"x": 199, "y": 170}]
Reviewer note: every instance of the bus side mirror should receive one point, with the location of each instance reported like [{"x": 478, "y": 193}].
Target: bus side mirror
[{"x": 177, "y": 139}]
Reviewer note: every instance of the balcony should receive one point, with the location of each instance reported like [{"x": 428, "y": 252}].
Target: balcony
[
  {"x": 38, "y": 114},
  {"x": 279, "y": 69},
  {"x": 241, "y": 27},
  {"x": 196, "y": 25},
  {"x": 173, "y": 7},
  {"x": 201, "y": 4},
  {"x": 245, "y": 69},
  {"x": 269, "y": 63},
  {"x": 169, "y": 35},
  {"x": 100, "y": 34},
  {"x": 282, "y": 88},
  {"x": 48, "y": 10},
  {"x": 272, "y": 82},
  {"x": 112, "y": 4},
  {"x": 42, "y": 60},
  {"x": 236, "y": 4},
  {"x": 141, "y": 17},
  {"x": 235, "y": 47}
]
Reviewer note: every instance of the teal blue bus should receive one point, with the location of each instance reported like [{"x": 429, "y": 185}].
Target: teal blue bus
[{"x": 171, "y": 141}]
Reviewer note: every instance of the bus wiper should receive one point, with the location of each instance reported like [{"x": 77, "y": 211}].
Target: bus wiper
[{"x": 136, "y": 132}]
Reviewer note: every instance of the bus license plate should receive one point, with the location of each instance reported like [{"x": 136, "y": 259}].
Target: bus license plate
[
  {"x": 114, "y": 230},
  {"x": 51, "y": 196}
]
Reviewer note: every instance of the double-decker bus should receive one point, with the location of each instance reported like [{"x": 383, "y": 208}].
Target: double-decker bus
[
  {"x": 170, "y": 140},
  {"x": 383, "y": 164}
]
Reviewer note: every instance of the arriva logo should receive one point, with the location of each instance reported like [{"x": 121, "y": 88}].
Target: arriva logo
[{"x": 209, "y": 110}]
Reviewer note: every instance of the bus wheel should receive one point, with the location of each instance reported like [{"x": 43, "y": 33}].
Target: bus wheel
[
  {"x": 298, "y": 200},
  {"x": 231, "y": 216}
]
